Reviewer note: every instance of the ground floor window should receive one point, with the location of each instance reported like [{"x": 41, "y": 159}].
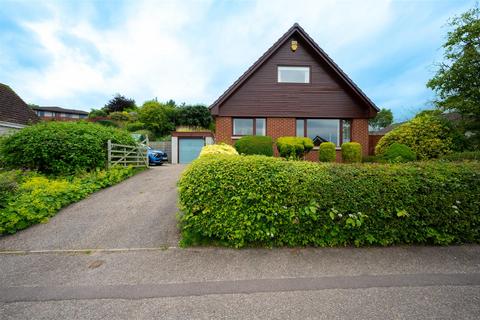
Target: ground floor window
[
  {"x": 249, "y": 126},
  {"x": 324, "y": 130}
]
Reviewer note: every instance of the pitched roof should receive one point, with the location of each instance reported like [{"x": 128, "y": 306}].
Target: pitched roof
[
  {"x": 13, "y": 109},
  {"x": 295, "y": 29},
  {"x": 58, "y": 109}
]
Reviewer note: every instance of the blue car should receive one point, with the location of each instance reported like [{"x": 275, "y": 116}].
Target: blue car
[{"x": 156, "y": 157}]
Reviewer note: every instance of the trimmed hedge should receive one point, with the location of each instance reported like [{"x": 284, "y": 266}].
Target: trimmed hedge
[
  {"x": 216, "y": 149},
  {"x": 461, "y": 156},
  {"x": 398, "y": 152},
  {"x": 256, "y": 200},
  {"x": 248, "y": 145},
  {"x": 294, "y": 147},
  {"x": 38, "y": 198},
  {"x": 326, "y": 152},
  {"x": 351, "y": 152},
  {"x": 60, "y": 147}
]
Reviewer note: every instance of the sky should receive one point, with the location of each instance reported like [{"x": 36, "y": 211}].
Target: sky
[{"x": 78, "y": 54}]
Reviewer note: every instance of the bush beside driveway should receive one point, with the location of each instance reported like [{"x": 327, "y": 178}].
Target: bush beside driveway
[{"x": 138, "y": 212}]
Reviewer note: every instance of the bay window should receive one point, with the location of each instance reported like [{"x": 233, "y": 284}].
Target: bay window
[
  {"x": 249, "y": 126},
  {"x": 324, "y": 130}
]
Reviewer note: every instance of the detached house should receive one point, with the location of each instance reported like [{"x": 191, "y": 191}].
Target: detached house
[{"x": 294, "y": 89}]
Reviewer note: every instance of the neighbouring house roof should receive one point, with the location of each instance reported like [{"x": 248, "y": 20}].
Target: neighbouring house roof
[
  {"x": 13, "y": 109},
  {"x": 58, "y": 109},
  {"x": 385, "y": 130},
  {"x": 296, "y": 29}
]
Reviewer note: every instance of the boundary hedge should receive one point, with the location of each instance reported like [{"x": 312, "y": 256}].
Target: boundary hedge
[
  {"x": 255, "y": 200},
  {"x": 38, "y": 198}
]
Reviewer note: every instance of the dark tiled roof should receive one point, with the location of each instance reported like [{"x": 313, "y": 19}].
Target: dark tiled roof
[
  {"x": 13, "y": 108},
  {"x": 386, "y": 130},
  {"x": 295, "y": 29},
  {"x": 58, "y": 109}
]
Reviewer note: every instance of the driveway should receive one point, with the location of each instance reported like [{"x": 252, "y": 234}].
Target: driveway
[{"x": 137, "y": 213}]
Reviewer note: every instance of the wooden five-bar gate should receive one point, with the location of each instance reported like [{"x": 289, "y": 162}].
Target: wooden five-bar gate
[{"x": 125, "y": 155}]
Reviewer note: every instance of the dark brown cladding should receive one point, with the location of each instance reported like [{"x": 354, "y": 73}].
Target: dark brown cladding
[{"x": 330, "y": 93}]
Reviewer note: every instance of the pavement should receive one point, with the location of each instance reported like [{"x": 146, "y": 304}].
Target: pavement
[{"x": 114, "y": 255}]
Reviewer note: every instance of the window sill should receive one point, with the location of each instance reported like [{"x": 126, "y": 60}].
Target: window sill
[{"x": 336, "y": 148}]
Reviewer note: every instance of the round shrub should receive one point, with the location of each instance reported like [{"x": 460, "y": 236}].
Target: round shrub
[
  {"x": 216, "y": 149},
  {"x": 351, "y": 152},
  {"x": 61, "y": 147},
  {"x": 398, "y": 152},
  {"x": 427, "y": 135},
  {"x": 248, "y": 145},
  {"x": 294, "y": 147},
  {"x": 326, "y": 152}
]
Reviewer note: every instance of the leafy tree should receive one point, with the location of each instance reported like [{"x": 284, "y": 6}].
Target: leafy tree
[
  {"x": 157, "y": 117},
  {"x": 383, "y": 118},
  {"x": 97, "y": 113},
  {"x": 457, "y": 80},
  {"x": 195, "y": 115},
  {"x": 119, "y": 103}
]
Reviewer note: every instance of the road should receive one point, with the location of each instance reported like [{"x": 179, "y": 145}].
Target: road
[{"x": 115, "y": 256}]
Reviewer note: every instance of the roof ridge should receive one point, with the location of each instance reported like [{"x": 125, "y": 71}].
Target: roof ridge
[{"x": 273, "y": 48}]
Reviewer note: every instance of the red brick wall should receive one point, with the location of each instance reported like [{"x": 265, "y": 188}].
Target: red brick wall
[
  {"x": 360, "y": 133},
  {"x": 223, "y": 130}
]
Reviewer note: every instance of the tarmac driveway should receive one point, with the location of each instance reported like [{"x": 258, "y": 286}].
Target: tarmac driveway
[{"x": 137, "y": 213}]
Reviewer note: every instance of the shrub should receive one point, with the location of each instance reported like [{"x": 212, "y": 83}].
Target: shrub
[
  {"x": 351, "y": 152},
  {"x": 120, "y": 116},
  {"x": 249, "y": 145},
  {"x": 427, "y": 135},
  {"x": 38, "y": 198},
  {"x": 107, "y": 123},
  {"x": 256, "y": 200},
  {"x": 370, "y": 159},
  {"x": 294, "y": 147},
  {"x": 217, "y": 149},
  {"x": 9, "y": 181},
  {"x": 398, "y": 152},
  {"x": 134, "y": 126},
  {"x": 60, "y": 147},
  {"x": 327, "y": 152},
  {"x": 460, "y": 156}
]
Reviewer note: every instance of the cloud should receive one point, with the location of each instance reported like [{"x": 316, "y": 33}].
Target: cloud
[
  {"x": 143, "y": 57},
  {"x": 82, "y": 53}
]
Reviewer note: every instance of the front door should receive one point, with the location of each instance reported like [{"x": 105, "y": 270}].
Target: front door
[{"x": 189, "y": 149}]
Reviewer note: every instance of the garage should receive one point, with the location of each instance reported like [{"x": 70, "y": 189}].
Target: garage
[{"x": 186, "y": 146}]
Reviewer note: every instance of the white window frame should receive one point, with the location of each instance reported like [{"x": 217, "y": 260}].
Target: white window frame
[{"x": 286, "y": 68}]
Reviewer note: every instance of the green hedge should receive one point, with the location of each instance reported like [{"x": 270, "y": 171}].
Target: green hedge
[
  {"x": 461, "y": 156},
  {"x": 38, "y": 198},
  {"x": 256, "y": 200},
  {"x": 398, "y": 152},
  {"x": 248, "y": 145},
  {"x": 351, "y": 152},
  {"x": 60, "y": 147},
  {"x": 294, "y": 147},
  {"x": 326, "y": 152}
]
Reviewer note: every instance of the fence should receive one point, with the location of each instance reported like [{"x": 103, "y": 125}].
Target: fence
[{"x": 125, "y": 155}]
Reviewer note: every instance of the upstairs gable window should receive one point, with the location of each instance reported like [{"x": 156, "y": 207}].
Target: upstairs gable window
[{"x": 290, "y": 74}]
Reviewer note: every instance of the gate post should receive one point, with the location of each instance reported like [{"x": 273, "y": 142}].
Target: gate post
[{"x": 109, "y": 153}]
